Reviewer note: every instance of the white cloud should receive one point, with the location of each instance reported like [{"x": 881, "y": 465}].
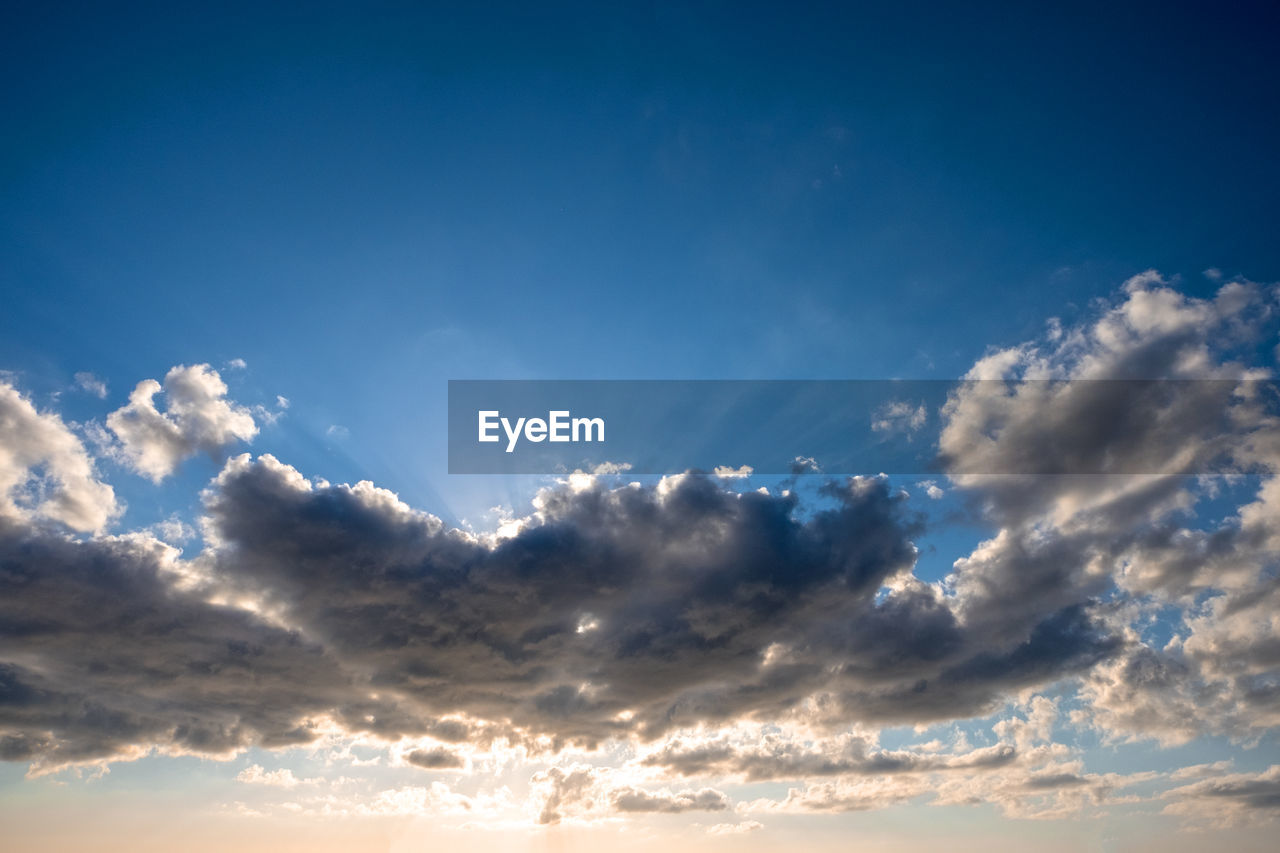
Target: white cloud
[
  {"x": 91, "y": 384},
  {"x": 899, "y": 416},
  {"x": 173, "y": 531},
  {"x": 932, "y": 489},
  {"x": 805, "y": 465},
  {"x": 198, "y": 417},
  {"x": 256, "y": 775},
  {"x": 45, "y": 470}
]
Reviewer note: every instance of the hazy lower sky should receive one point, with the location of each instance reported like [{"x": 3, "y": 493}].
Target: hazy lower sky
[{"x": 243, "y": 604}]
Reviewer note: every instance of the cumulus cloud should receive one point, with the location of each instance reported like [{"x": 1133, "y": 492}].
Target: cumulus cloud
[
  {"x": 45, "y": 471},
  {"x": 257, "y": 775},
  {"x": 1156, "y": 387},
  {"x": 706, "y": 605},
  {"x": 722, "y": 637},
  {"x": 197, "y": 418},
  {"x": 107, "y": 652},
  {"x": 932, "y": 489},
  {"x": 686, "y": 585},
  {"x": 805, "y": 465}
]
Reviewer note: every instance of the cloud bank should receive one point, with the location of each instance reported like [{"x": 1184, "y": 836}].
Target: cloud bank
[{"x": 668, "y": 616}]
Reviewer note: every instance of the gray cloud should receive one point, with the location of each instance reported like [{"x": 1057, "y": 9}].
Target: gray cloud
[
  {"x": 582, "y": 791},
  {"x": 646, "y": 611},
  {"x": 435, "y": 759},
  {"x": 104, "y": 655},
  {"x": 705, "y": 605},
  {"x": 1066, "y": 542},
  {"x": 1234, "y": 798},
  {"x": 782, "y": 758},
  {"x": 637, "y": 800}
]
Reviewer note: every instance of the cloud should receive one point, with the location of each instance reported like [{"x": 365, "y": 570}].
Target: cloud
[
  {"x": 777, "y": 756},
  {"x": 198, "y": 418},
  {"x": 636, "y": 800},
  {"x": 45, "y": 471},
  {"x": 173, "y": 530},
  {"x": 707, "y": 605},
  {"x": 133, "y": 657},
  {"x": 435, "y": 759},
  {"x": 582, "y": 791},
  {"x": 687, "y": 585},
  {"x": 91, "y": 384},
  {"x": 1041, "y": 786},
  {"x": 1227, "y": 800},
  {"x": 899, "y": 416},
  {"x": 563, "y": 790},
  {"x": 932, "y": 490},
  {"x": 805, "y": 465},
  {"x": 740, "y": 828},
  {"x": 256, "y": 775},
  {"x": 728, "y": 473},
  {"x": 1093, "y": 399},
  {"x": 702, "y": 633}
]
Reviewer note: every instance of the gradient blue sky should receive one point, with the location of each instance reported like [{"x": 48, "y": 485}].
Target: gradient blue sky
[{"x": 362, "y": 202}]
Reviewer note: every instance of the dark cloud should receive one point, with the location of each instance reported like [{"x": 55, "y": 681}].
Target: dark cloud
[
  {"x": 1259, "y": 793},
  {"x": 614, "y": 611},
  {"x": 105, "y": 653},
  {"x": 674, "y": 605},
  {"x": 1055, "y": 781},
  {"x": 644, "y": 610},
  {"x": 435, "y": 759}
]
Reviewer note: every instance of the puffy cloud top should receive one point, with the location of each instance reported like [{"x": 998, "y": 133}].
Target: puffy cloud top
[
  {"x": 45, "y": 470},
  {"x": 197, "y": 418}
]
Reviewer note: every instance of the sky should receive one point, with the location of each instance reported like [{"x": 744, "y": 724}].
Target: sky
[{"x": 244, "y": 249}]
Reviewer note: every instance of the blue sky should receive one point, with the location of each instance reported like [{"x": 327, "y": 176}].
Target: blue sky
[
  {"x": 363, "y": 205},
  {"x": 349, "y": 206}
]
